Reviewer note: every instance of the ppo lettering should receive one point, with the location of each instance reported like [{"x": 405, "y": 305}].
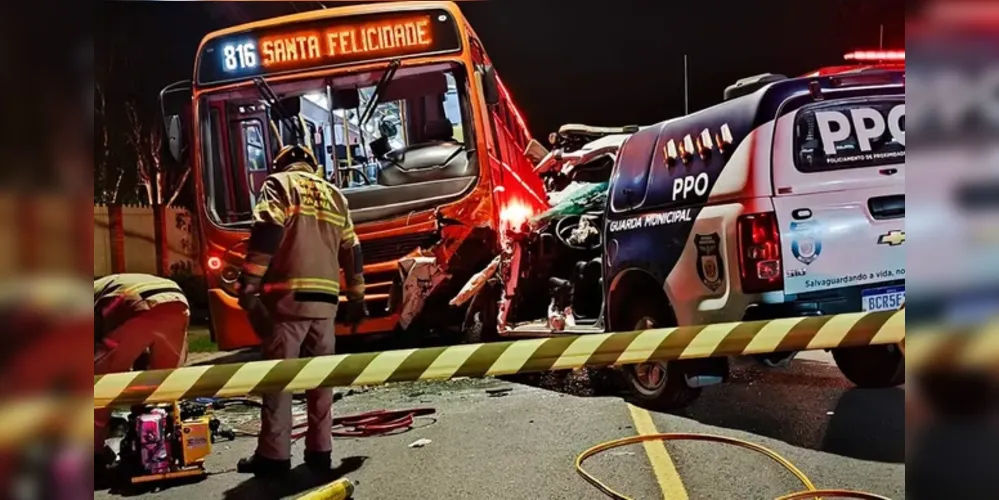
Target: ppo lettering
[
  {"x": 830, "y": 137},
  {"x": 682, "y": 186},
  {"x": 896, "y": 119},
  {"x": 868, "y": 123}
]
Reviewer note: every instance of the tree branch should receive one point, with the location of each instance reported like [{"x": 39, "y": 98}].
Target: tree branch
[
  {"x": 180, "y": 185},
  {"x": 154, "y": 143},
  {"x": 138, "y": 142},
  {"x": 117, "y": 186}
]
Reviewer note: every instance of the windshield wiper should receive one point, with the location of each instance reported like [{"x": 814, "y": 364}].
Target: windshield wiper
[
  {"x": 272, "y": 100},
  {"x": 386, "y": 78}
]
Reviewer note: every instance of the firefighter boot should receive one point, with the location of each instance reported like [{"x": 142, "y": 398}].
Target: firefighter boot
[
  {"x": 263, "y": 467},
  {"x": 319, "y": 461}
]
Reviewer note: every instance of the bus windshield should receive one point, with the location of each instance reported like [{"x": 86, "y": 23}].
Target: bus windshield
[{"x": 421, "y": 119}]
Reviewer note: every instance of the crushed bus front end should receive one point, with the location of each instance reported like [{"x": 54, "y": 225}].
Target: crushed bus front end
[{"x": 421, "y": 140}]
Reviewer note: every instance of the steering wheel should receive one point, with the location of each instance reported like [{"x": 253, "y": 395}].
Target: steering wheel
[
  {"x": 359, "y": 170},
  {"x": 564, "y": 228}
]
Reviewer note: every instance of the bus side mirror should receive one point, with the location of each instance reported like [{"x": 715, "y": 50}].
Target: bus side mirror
[
  {"x": 490, "y": 85},
  {"x": 535, "y": 152},
  {"x": 175, "y": 137},
  {"x": 175, "y": 107}
]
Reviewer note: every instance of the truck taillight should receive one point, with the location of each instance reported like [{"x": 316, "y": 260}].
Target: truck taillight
[{"x": 759, "y": 253}]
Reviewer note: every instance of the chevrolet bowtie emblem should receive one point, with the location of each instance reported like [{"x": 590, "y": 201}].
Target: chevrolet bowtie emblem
[{"x": 893, "y": 238}]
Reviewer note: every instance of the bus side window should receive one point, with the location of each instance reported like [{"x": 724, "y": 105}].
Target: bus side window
[
  {"x": 215, "y": 177},
  {"x": 256, "y": 158},
  {"x": 452, "y": 108},
  {"x": 513, "y": 132},
  {"x": 493, "y": 137},
  {"x": 478, "y": 53}
]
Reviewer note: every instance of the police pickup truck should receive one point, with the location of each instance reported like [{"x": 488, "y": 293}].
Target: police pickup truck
[{"x": 785, "y": 200}]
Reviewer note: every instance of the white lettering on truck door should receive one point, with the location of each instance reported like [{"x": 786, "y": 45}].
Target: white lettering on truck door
[{"x": 682, "y": 186}]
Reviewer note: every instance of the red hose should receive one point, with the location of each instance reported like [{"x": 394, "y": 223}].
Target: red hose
[{"x": 372, "y": 423}]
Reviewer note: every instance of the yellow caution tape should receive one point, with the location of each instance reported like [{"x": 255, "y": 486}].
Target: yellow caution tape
[
  {"x": 501, "y": 358},
  {"x": 939, "y": 347},
  {"x": 66, "y": 420}
]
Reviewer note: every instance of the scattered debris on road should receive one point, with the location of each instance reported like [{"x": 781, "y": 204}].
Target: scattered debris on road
[
  {"x": 498, "y": 393},
  {"x": 623, "y": 454},
  {"x": 420, "y": 443}
]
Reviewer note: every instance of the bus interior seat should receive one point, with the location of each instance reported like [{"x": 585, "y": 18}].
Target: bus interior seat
[
  {"x": 439, "y": 130},
  {"x": 345, "y": 99},
  {"x": 380, "y": 147},
  {"x": 428, "y": 84},
  {"x": 435, "y": 131}
]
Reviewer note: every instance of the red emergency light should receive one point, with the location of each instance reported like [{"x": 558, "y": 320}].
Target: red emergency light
[
  {"x": 875, "y": 55},
  {"x": 214, "y": 263}
]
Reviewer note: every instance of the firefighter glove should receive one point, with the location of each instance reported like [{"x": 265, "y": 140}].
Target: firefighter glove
[
  {"x": 247, "y": 285},
  {"x": 356, "y": 310}
]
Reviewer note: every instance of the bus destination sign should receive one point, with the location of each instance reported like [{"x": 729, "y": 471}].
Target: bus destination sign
[{"x": 327, "y": 43}]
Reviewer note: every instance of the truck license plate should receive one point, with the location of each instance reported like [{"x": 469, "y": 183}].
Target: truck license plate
[{"x": 888, "y": 298}]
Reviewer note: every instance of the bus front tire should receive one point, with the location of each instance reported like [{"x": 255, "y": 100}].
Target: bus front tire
[{"x": 872, "y": 367}]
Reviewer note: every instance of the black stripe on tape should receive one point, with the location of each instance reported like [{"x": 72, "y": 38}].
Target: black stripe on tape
[
  {"x": 478, "y": 364},
  {"x": 349, "y": 369},
  {"x": 212, "y": 381},
  {"x": 416, "y": 364},
  {"x": 140, "y": 388},
  {"x": 802, "y": 334},
  {"x": 864, "y": 330},
  {"x": 611, "y": 349}
]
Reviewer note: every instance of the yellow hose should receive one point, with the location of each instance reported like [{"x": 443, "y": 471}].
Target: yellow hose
[
  {"x": 810, "y": 490},
  {"x": 341, "y": 489}
]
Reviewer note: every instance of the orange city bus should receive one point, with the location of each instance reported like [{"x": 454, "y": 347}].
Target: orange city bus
[{"x": 405, "y": 113}]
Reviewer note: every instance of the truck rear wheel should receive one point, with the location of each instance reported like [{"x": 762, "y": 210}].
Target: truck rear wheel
[
  {"x": 657, "y": 385},
  {"x": 872, "y": 367}
]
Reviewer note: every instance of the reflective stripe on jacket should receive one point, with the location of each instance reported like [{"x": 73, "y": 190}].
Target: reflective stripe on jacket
[
  {"x": 119, "y": 297},
  {"x": 301, "y": 224}
]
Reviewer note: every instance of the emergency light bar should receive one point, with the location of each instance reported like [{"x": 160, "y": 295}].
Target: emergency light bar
[{"x": 876, "y": 55}]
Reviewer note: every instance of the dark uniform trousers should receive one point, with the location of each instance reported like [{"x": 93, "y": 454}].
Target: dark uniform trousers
[{"x": 293, "y": 338}]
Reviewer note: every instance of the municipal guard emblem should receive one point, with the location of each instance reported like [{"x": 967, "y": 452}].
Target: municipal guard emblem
[
  {"x": 805, "y": 243},
  {"x": 709, "y": 260}
]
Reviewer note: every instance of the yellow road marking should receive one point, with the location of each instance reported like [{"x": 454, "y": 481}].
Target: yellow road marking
[{"x": 662, "y": 465}]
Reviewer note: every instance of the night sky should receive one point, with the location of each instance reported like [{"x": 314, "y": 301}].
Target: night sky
[{"x": 601, "y": 62}]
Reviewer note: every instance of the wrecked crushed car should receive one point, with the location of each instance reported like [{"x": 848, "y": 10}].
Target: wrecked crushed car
[{"x": 548, "y": 278}]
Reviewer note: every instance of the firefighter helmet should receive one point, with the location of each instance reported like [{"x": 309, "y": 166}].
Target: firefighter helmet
[{"x": 293, "y": 154}]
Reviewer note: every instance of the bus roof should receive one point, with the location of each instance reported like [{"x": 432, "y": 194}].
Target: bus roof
[{"x": 369, "y": 8}]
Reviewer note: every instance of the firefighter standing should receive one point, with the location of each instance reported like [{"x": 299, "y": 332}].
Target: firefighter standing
[
  {"x": 135, "y": 316},
  {"x": 290, "y": 288}
]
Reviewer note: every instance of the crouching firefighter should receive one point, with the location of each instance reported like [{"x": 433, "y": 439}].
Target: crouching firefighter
[
  {"x": 289, "y": 286},
  {"x": 140, "y": 322}
]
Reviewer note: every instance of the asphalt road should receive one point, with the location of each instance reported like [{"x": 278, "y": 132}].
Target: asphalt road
[{"x": 522, "y": 444}]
